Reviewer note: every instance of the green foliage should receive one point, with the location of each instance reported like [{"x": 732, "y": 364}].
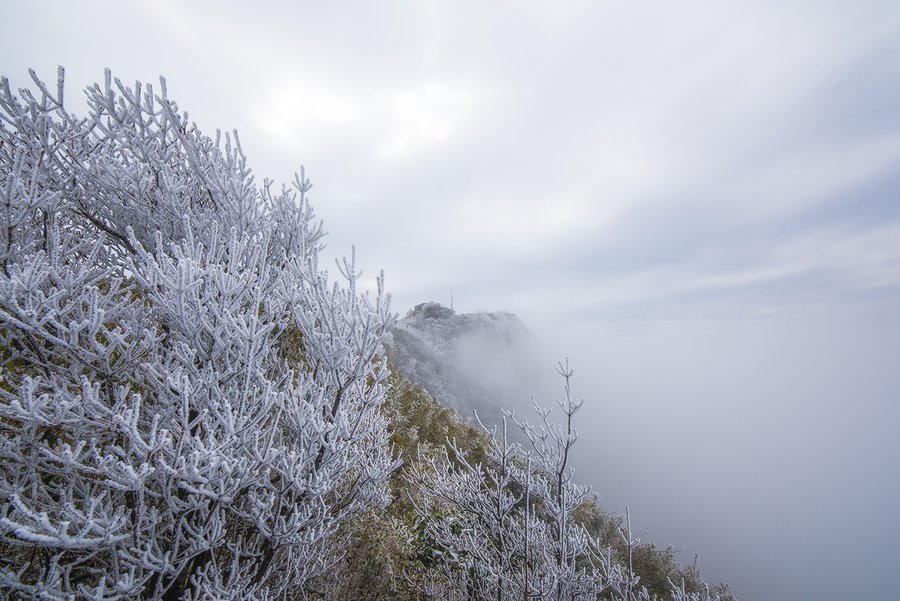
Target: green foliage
[
  {"x": 387, "y": 556},
  {"x": 599, "y": 524},
  {"x": 421, "y": 424},
  {"x": 380, "y": 555}
]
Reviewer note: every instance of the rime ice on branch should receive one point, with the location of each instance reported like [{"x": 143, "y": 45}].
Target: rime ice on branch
[
  {"x": 505, "y": 529},
  {"x": 188, "y": 407}
]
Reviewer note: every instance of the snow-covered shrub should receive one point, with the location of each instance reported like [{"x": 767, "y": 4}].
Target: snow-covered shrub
[
  {"x": 388, "y": 552},
  {"x": 512, "y": 526},
  {"x": 503, "y": 529},
  {"x": 188, "y": 407}
]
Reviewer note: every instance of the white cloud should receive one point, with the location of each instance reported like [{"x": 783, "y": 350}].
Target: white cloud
[
  {"x": 393, "y": 123},
  {"x": 412, "y": 120}
]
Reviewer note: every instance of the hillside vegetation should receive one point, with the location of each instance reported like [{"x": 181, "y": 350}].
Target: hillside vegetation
[
  {"x": 190, "y": 408},
  {"x": 391, "y": 554}
]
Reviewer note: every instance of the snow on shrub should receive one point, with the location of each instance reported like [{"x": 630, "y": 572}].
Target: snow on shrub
[{"x": 188, "y": 407}]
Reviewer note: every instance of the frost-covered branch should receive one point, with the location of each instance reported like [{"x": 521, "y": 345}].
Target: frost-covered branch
[
  {"x": 188, "y": 406},
  {"x": 505, "y": 529}
]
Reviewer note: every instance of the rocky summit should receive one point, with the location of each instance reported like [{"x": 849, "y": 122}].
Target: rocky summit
[{"x": 481, "y": 361}]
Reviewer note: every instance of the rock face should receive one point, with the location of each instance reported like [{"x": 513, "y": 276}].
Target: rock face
[{"x": 470, "y": 362}]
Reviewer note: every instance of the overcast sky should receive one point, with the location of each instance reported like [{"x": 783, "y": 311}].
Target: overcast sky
[{"x": 699, "y": 202}]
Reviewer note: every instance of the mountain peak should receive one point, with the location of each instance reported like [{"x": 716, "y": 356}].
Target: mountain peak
[
  {"x": 430, "y": 310},
  {"x": 479, "y": 361}
]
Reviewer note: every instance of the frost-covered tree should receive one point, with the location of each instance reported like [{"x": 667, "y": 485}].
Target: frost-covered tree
[
  {"x": 556, "y": 489},
  {"x": 503, "y": 529},
  {"x": 188, "y": 406},
  {"x": 506, "y": 528},
  {"x": 470, "y": 512}
]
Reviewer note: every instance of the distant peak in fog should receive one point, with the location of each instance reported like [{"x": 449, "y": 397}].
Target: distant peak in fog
[
  {"x": 469, "y": 361},
  {"x": 430, "y": 310},
  {"x": 437, "y": 321}
]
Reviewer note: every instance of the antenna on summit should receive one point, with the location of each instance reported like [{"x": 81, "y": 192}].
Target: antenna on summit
[{"x": 451, "y": 298}]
